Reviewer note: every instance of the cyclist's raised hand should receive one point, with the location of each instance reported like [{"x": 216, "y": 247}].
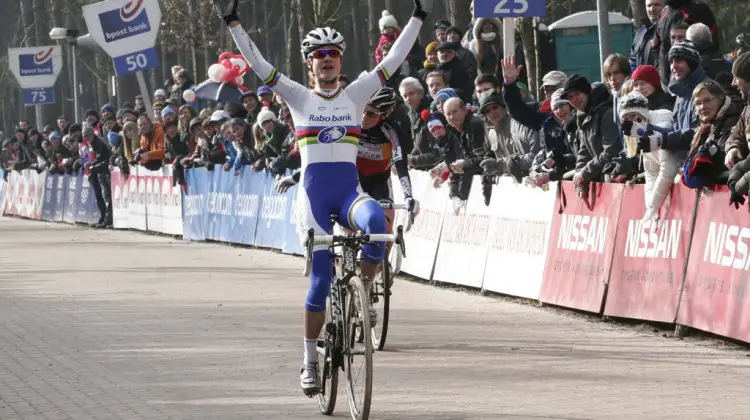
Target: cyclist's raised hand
[
  {"x": 510, "y": 70},
  {"x": 228, "y": 14},
  {"x": 419, "y": 11}
]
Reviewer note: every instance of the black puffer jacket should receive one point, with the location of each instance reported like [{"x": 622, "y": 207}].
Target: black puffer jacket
[
  {"x": 425, "y": 153},
  {"x": 597, "y": 134}
]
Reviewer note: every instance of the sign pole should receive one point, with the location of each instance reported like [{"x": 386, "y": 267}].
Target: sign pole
[
  {"x": 604, "y": 43},
  {"x": 144, "y": 93},
  {"x": 39, "y": 117},
  {"x": 76, "y": 108},
  {"x": 509, "y": 37}
]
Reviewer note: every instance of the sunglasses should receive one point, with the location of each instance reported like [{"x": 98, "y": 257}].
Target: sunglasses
[
  {"x": 370, "y": 114},
  {"x": 333, "y": 53}
]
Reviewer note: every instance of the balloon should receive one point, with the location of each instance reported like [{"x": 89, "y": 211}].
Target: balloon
[
  {"x": 188, "y": 95},
  {"x": 239, "y": 64},
  {"x": 216, "y": 72},
  {"x": 225, "y": 55},
  {"x": 239, "y": 80},
  {"x": 226, "y": 63}
]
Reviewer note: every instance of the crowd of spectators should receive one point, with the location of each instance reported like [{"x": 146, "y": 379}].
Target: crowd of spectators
[{"x": 675, "y": 110}]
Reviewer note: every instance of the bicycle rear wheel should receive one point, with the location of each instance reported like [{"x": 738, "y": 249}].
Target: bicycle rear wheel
[
  {"x": 358, "y": 356},
  {"x": 380, "y": 299},
  {"x": 328, "y": 363}
]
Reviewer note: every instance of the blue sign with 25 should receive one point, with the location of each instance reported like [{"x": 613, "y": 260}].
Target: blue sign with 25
[{"x": 509, "y": 8}]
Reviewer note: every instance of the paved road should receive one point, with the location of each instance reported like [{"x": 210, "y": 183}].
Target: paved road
[{"x": 167, "y": 329}]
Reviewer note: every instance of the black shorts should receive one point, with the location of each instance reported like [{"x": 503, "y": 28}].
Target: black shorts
[{"x": 378, "y": 187}]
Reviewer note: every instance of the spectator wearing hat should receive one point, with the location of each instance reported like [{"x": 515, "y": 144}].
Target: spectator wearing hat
[
  {"x": 450, "y": 152},
  {"x": 266, "y": 97},
  {"x": 441, "y": 28},
  {"x": 487, "y": 44},
  {"x": 168, "y": 116},
  {"x": 738, "y": 144},
  {"x": 151, "y": 152},
  {"x": 689, "y": 11},
  {"x": 249, "y": 149},
  {"x": 595, "y": 130},
  {"x": 177, "y": 84},
  {"x": 389, "y": 32},
  {"x": 712, "y": 59},
  {"x": 160, "y": 95},
  {"x": 56, "y": 154},
  {"x": 109, "y": 125},
  {"x": 431, "y": 59},
  {"x": 455, "y": 72},
  {"x": 108, "y": 109},
  {"x": 645, "y": 80},
  {"x": 465, "y": 57},
  {"x": 93, "y": 119},
  {"x": 642, "y": 52},
  {"x": 639, "y": 126},
  {"x": 718, "y": 113},
  {"x": 127, "y": 115},
  {"x": 140, "y": 105},
  {"x": 14, "y": 157},
  {"x": 687, "y": 73},
  {"x": 157, "y": 108}
]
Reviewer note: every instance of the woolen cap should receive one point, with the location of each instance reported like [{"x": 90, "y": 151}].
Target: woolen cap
[
  {"x": 578, "y": 83},
  {"x": 647, "y": 73}
]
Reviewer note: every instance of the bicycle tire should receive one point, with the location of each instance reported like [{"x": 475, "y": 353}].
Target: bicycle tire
[
  {"x": 380, "y": 296},
  {"x": 329, "y": 371},
  {"x": 359, "y": 406}
]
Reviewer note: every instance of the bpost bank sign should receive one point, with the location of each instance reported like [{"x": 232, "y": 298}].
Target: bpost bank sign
[
  {"x": 36, "y": 67},
  {"x": 122, "y": 27}
]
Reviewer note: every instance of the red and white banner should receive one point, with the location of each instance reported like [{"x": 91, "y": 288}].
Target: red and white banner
[
  {"x": 25, "y": 196},
  {"x": 163, "y": 201},
  {"x": 581, "y": 244},
  {"x": 137, "y": 201},
  {"x": 650, "y": 257},
  {"x": 422, "y": 239},
  {"x": 464, "y": 240},
  {"x": 120, "y": 200},
  {"x": 521, "y": 221},
  {"x": 716, "y": 294}
]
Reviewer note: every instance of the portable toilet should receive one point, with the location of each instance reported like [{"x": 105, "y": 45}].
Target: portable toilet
[{"x": 576, "y": 40}]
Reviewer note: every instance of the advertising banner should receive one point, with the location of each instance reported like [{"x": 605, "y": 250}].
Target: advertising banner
[
  {"x": 716, "y": 295},
  {"x": 292, "y": 244},
  {"x": 87, "y": 210},
  {"x": 464, "y": 237},
  {"x": 581, "y": 245},
  {"x": 195, "y": 208},
  {"x": 49, "y": 207},
  {"x": 650, "y": 256},
  {"x": 250, "y": 189},
  {"x": 222, "y": 193},
  {"x": 271, "y": 230},
  {"x": 36, "y": 67},
  {"x": 69, "y": 210},
  {"x": 519, "y": 235},
  {"x": 137, "y": 202},
  {"x": 422, "y": 240},
  {"x": 120, "y": 200}
]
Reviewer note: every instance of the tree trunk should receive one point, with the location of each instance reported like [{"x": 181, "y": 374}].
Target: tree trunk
[
  {"x": 527, "y": 38},
  {"x": 103, "y": 77},
  {"x": 639, "y": 12}
]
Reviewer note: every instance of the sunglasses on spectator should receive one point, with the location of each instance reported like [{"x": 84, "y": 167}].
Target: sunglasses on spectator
[{"x": 333, "y": 53}]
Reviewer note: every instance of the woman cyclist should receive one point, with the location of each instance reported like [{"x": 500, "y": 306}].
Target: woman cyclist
[{"x": 328, "y": 130}]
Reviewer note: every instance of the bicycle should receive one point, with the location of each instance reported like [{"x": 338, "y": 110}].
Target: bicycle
[{"x": 347, "y": 315}]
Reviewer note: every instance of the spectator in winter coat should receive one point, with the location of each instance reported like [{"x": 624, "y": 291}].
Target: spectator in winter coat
[
  {"x": 487, "y": 44},
  {"x": 63, "y": 125},
  {"x": 425, "y": 153},
  {"x": 168, "y": 116},
  {"x": 451, "y": 151},
  {"x": 660, "y": 166},
  {"x": 712, "y": 60},
  {"x": 130, "y": 139},
  {"x": 688, "y": 73},
  {"x": 108, "y": 110},
  {"x": 436, "y": 81},
  {"x": 178, "y": 84},
  {"x": 642, "y": 51},
  {"x": 97, "y": 168},
  {"x": 596, "y": 130},
  {"x": 441, "y": 31},
  {"x": 270, "y": 144},
  {"x": 689, "y": 11},
  {"x": 251, "y": 103},
  {"x": 511, "y": 147},
  {"x": 645, "y": 80},
  {"x": 56, "y": 154},
  {"x": 186, "y": 114},
  {"x": 92, "y": 118},
  {"x": 471, "y": 134},
  {"x": 466, "y": 57},
  {"x": 117, "y": 159},
  {"x": 718, "y": 114},
  {"x": 151, "y": 152},
  {"x": 389, "y": 32},
  {"x": 431, "y": 61},
  {"x": 738, "y": 144},
  {"x": 455, "y": 72}
]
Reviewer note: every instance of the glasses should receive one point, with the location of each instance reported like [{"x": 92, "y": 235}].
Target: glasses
[
  {"x": 707, "y": 101},
  {"x": 370, "y": 114},
  {"x": 333, "y": 53}
]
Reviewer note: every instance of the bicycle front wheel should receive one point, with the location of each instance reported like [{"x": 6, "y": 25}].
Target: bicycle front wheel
[
  {"x": 380, "y": 299},
  {"x": 358, "y": 355}
]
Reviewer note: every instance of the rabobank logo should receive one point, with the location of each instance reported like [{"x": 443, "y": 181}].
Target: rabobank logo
[
  {"x": 36, "y": 64},
  {"x": 131, "y": 20},
  {"x": 331, "y": 134}
]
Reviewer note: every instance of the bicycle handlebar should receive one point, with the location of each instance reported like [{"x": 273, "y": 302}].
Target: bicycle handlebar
[{"x": 387, "y": 205}]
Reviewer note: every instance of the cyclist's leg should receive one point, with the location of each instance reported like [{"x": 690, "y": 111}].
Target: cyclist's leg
[
  {"x": 381, "y": 190},
  {"x": 364, "y": 213}
]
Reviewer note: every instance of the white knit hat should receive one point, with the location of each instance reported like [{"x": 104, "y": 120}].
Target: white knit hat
[
  {"x": 557, "y": 98},
  {"x": 265, "y": 115},
  {"x": 636, "y": 103},
  {"x": 160, "y": 92},
  {"x": 387, "y": 21}
]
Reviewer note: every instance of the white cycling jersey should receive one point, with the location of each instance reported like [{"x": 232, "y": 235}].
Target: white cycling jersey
[{"x": 328, "y": 123}]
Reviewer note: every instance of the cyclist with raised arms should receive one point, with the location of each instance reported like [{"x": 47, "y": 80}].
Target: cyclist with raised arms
[{"x": 328, "y": 129}]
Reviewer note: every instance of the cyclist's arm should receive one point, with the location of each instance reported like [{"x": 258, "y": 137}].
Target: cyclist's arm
[
  {"x": 291, "y": 91},
  {"x": 366, "y": 86},
  {"x": 399, "y": 161}
]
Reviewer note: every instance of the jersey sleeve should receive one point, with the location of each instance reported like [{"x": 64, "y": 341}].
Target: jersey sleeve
[
  {"x": 362, "y": 89},
  {"x": 291, "y": 91}
]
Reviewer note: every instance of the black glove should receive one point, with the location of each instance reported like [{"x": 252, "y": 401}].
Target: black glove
[
  {"x": 419, "y": 13},
  {"x": 644, "y": 144},
  {"x": 513, "y": 167},
  {"x": 228, "y": 16},
  {"x": 735, "y": 198}
]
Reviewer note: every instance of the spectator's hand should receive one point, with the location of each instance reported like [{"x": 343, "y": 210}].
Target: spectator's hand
[
  {"x": 735, "y": 198},
  {"x": 634, "y": 129},
  {"x": 549, "y": 163},
  {"x": 492, "y": 166},
  {"x": 458, "y": 204},
  {"x": 649, "y": 144},
  {"x": 236, "y": 171},
  {"x": 227, "y": 166},
  {"x": 510, "y": 70},
  {"x": 283, "y": 184},
  {"x": 578, "y": 179},
  {"x": 540, "y": 178},
  {"x": 410, "y": 161},
  {"x": 143, "y": 157},
  {"x": 733, "y": 156},
  {"x": 458, "y": 166}
]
